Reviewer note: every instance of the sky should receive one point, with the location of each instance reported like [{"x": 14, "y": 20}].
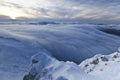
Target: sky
[{"x": 104, "y": 11}]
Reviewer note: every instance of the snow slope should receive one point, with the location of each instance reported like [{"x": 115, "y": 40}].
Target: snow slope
[
  {"x": 64, "y": 42},
  {"x": 44, "y": 67},
  {"x": 99, "y": 67},
  {"x": 107, "y": 66}
]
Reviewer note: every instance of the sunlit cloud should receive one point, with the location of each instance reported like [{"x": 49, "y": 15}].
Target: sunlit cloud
[
  {"x": 61, "y": 9},
  {"x": 14, "y": 10},
  {"x": 13, "y": 13}
]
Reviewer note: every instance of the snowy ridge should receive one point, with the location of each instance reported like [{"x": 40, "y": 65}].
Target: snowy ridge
[
  {"x": 99, "y": 67},
  {"x": 103, "y": 66},
  {"x": 90, "y": 64},
  {"x": 44, "y": 67}
]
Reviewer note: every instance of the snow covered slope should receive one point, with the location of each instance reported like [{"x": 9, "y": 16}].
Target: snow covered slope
[
  {"x": 44, "y": 67},
  {"x": 104, "y": 66},
  {"x": 99, "y": 67},
  {"x": 64, "y": 42}
]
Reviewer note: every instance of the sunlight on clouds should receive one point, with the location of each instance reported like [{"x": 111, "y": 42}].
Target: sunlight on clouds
[
  {"x": 15, "y": 13},
  {"x": 61, "y": 9},
  {"x": 11, "y": 12},
  {"x": 24, "y": 8}
]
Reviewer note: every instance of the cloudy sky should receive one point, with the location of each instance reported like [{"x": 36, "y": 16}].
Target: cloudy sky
[{"x": 82, "y": 10}]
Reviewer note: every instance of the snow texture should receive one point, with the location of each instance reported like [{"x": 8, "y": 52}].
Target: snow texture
[
  {"x": 107, "y": 67},
  {"x": 44, "y": 67},
  {"x": 99, "y": 67}
]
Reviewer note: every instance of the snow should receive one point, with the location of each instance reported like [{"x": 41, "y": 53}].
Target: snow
[
  {"x": 48, "y": 68},
  {"x": 106, "y": 70},
  {"x": 64, "y": 42}
]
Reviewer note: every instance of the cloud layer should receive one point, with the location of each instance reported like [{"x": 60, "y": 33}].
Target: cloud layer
[{"x": 90, "y": 10}]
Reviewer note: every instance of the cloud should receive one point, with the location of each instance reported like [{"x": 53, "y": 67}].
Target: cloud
[
  {"x": 67, "y": 9},
  {"x": 2, "y": 17}
]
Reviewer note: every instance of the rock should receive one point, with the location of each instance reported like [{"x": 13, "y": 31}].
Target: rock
[
  {"x": 115, "y": 56},
  {"x": 86, "y": 65},
  {"x": 28, "y": 77},
  {"x": 96, "y": 61},
  {"x": 104, "y": 58},
  {"x": 34, "y": 61}
]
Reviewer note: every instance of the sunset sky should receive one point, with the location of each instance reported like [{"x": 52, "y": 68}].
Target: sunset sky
[{"x": 83, "y": 10}]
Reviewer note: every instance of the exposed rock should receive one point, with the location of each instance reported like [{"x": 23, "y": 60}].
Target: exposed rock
[
  {"x": 96, "y": 61},
  {"x": 29, "y": 77},
  {"x": 86, "y": 65},
  {"x": 103, "y": 58},
  {"x": 34, "y": 61}
]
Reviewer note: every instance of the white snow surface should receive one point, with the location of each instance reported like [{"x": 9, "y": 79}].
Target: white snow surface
[
  {"x": 65, "y": 42},
  {"x": 48, "y": 68},
  {"x": 107, "y": 68}
]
